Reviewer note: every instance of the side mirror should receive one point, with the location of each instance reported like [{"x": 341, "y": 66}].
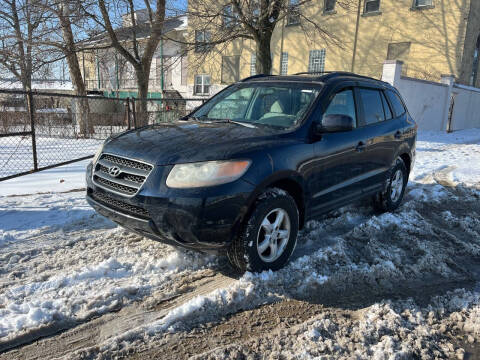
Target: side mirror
[{"x": 335, "y": 123}]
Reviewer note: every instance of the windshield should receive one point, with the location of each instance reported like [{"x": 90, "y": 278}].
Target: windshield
[{"x": 275, "y": 104}]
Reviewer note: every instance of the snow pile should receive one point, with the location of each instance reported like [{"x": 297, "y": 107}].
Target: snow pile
[
  {"x": 64, "y": 263},
  {"x": 385, "y": 330}
]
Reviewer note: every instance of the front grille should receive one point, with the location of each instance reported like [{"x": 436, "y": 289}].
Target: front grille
[
  {"x": 127, "y": 162},
  {"x": 128, "y": 177},
  {"x": 115, "y": 186},
  {"x": 119, "y": 205}
]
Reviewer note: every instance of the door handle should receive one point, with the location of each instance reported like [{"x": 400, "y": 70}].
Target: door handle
[
  {"x": 361, "y": 146},
  {"x": 398, "y": 135}
]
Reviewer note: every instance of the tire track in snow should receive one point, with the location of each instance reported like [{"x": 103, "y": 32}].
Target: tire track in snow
[{"x": 86, "y": 336}]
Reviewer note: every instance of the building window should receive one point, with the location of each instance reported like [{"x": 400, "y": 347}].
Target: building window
[
  {"x": 476, "y": 63},
  {"x": 202, "y": 39},
  {"x": 329, "y": 6},
  {"x": 230, "y": 69},
  {"x": 229, "y": 16},
  {"x": 419, "y": 4},
  {"x": 293, "y": 17},
  {"x": 202, "y": 84},
  {"x": 316, "y": 61},
  {"x": 284, "y": 64},
  {"x": 399, "y": 51},
  {"x": 253, "y": 64},
  {"x": 372, "y": 6}
]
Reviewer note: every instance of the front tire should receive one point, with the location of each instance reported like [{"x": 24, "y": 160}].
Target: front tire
[
  {"x": 392, "y": 197},
  {"x": 270, "y": 235}
]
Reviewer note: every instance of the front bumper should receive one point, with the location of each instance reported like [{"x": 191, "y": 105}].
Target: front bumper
[{"x": 202, "y": 219}]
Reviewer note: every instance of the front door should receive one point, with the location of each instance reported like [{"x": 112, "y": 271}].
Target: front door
[{"x": 338, "y": 157}]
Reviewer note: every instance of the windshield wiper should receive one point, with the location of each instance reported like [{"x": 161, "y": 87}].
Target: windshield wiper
[
  {"x": 186, "y": 118},
  {"x": 229, "y": 121}
]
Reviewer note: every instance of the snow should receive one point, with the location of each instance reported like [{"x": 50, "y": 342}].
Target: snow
[
  {"x": 61, "y": 262},
  {"x": 59, "y": 179},
  {"x": 458, "y": 151},
  {"x": 16, "y": 155},
  {"x": 37, "y": 85}
]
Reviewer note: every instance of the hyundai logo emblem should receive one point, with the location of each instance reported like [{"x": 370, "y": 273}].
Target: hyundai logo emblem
[{"x": 114, "y": 171}]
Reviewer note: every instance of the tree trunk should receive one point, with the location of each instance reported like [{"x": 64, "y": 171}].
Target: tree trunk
[
  {"x": 141, "y": 105},
  {"x": 264, "y": 57},
  {"x": 83, "y": 108}
]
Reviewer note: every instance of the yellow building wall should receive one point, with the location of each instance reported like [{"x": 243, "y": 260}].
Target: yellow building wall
[{"x": 436, "y": 35}]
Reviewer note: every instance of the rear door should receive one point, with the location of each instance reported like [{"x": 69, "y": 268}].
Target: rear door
[{"x": 380, "y": 128}]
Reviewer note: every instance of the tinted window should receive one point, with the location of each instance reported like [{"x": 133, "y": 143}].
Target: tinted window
[
  {"x": 397, "y": 104},
  {"x": 343, "y": 104},
  {"x": 386, "y": 107},
  {"x": 372, "y": 106}
]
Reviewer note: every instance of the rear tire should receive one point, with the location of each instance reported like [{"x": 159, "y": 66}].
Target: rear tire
[
  {"x": 392, "y": 197},
  {"x": 270, "y": 235}
]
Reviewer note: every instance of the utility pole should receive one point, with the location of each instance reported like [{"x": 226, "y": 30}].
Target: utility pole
[
  {"x": 83, "y": 66},
  {"x": 356, "y": 35},
  {"x": 97, "y": 66},
  {"x": 116, "y": 74},
  {"x": 162, "y": 85},
  {"x": 281, "y": 48}
]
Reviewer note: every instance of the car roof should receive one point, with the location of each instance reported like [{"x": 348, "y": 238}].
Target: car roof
[{"x": 317, "y": 77}]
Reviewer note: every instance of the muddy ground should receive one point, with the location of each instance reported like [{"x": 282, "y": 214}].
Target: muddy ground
[{"x": 360, "y": 285}]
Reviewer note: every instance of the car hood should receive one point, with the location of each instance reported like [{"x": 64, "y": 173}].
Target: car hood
[{"x": 179, "y": 142}]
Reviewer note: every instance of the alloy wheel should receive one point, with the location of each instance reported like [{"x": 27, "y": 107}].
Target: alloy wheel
[
  {"x": 273, "y": 235},
  {"x": 396, "y": 186}
]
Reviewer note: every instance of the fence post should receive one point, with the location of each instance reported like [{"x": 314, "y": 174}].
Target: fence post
[
  {"x": 449, "y": 103},
  {"x": 31, "y": 114},
  {"x": 392, "y": 71},
  {"x": 127, "y": 113},
  {"x": 134, "y": 114}
]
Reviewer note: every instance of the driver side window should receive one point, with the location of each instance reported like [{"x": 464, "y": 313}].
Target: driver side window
[{"x": 343, "y": 103}]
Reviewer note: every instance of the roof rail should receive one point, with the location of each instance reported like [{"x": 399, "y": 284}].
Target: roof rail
[
  {"x": 254, "y": 77},
  {"x": 336, "y": 73},
  {"x": 313, "y": 72}
]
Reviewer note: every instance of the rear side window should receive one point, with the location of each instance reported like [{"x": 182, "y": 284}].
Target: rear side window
[
  {"x": 397, "y": 104},
  {"x": 372, "y": 106},
  {"x": 386, "y": 107}
]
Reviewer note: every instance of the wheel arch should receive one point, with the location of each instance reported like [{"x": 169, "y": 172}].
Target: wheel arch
[
  {"x": 407, "y": 160},
  {"x": 289, "y": 181}
]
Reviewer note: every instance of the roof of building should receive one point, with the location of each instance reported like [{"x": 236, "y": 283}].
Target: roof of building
[{"x": 141, "y": 30}]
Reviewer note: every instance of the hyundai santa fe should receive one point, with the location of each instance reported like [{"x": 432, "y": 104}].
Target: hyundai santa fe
[{"x": 242, "y": 173}]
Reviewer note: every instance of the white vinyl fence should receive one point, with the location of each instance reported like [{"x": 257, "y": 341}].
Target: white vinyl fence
[{"x": 443, "y": 106}]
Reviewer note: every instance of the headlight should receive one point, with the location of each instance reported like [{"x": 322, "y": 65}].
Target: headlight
[
  {"x": 97, "y": 154},
  {"x": 206, "y": 173}
]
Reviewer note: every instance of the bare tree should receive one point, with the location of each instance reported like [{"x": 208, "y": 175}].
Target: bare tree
[
  {"x": 20, "y": 28},
  {"x": 67, "y": 15},
  {"x": 252, "y": 19},
  {"x": 138, "y": 52}
]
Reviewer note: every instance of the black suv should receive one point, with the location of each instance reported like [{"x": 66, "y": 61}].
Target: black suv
[{"x": 243, "y": 173}]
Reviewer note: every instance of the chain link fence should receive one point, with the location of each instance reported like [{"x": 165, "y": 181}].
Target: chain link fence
[{"x": 39, "y": 131}]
